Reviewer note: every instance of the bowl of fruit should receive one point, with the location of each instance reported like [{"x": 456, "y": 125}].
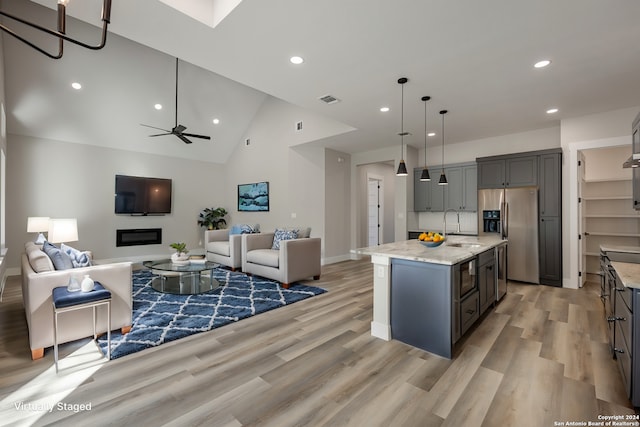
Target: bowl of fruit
[{"x": 431, "y": 239}]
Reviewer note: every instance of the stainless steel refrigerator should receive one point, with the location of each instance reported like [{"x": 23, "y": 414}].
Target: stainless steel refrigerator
[{"x": 512, "y": 213}]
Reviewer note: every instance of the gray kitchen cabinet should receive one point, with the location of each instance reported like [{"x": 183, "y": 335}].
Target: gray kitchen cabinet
[
  {"x": 486, "y": 279},
  {"x": 510, "y": 171},
  {"x": 462, "y": 192},
  {"x": 550, "y": 197},
  {"x": 421, "y": 193},
  {"x": 491, "y": 174},
  {"x": 550, "y": 251},
  {"x": 437, "y": 194},
  {"x": 635, "y": 148},
  {"x": 521, "y": 171},
  {"x": 627, "y": 337}
]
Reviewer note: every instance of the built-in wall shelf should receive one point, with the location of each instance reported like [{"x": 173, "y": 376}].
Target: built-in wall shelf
[{"x": 608, "y": 217}]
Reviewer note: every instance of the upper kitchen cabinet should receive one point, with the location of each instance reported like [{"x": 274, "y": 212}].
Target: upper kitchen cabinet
[
  {"x": 421, "y": 193},
  {"x": 491, "y": 174},
  {"x": 549, "y": 180},
  {"x": 462, "y": 192},
  {"x": 508, "y": 171},
  {"x": 521, "y": 171}
]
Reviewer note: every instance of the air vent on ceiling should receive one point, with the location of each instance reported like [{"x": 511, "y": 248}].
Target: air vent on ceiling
[{"x": 329, "y": 99}]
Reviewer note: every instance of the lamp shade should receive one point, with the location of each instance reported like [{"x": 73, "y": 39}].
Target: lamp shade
[
  {"x": 63, "y": 230},
  {"x": 425, "y": 175},
  {"x": 402, "y": 169},
  {"x": 37, "y": 224}
]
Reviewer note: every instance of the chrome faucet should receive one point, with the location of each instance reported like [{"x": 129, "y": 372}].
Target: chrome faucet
[{"x": 444, "y": 220}]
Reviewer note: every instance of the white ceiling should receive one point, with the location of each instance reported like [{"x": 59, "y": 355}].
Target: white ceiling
[{"x": 473, "y": 58}]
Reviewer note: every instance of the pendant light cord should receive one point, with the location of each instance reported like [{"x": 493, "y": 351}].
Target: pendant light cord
[
  {"x": 443, "y": 113},
  {"x": 402, "y": 121}
]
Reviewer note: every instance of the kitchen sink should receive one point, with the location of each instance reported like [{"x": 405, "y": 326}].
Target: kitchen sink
[{"x": 464, "y": 245}]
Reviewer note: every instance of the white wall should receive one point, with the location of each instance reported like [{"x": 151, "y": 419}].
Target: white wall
[
  {"x": 337, "y": 207},
  {"x": 606, "y": 163},
  {"x": 295, "y": 172},
  {"x": 61, "y": 180}
]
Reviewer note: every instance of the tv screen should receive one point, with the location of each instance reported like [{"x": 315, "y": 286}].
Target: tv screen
[{"x": 142, "y": 196}]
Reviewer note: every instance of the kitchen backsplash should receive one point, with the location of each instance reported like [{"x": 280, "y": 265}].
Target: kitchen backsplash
[{"x": 433, "y": 221}]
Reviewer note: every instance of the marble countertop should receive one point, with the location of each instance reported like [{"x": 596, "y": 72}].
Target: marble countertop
[
  {"x": 413, "y": 250},
  {"x": 628, "y": 273},
  {"x": 616, "y": 248}
]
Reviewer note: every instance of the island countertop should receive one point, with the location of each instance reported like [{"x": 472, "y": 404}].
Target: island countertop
[
  {"x": 629, "y": 274},
  {"x": 446, "y": 253}
]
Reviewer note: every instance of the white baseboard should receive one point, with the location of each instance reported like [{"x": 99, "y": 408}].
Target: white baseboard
[
  {"x": 381, "y": 331},
  {"x": 336, "y": 259}
]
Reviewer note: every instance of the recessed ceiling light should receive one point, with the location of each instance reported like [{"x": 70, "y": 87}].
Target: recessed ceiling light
[
  {"x": 552, "y": 110},
  {"x": 216, "y": 121},
  {"x": 431, "y": 134},
  {"x": 76, "y": 85},
  {"x": 384, "y": 109},
  {"x": 158, "y": 106},
  {"x": 296, "y": 60},
  {"x": 542, "y": 64}
]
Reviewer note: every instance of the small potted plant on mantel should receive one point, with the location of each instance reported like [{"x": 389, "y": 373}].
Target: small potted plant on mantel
[
  {"x": 212, "y": 218},
  {"x": 180, "y": 255}
]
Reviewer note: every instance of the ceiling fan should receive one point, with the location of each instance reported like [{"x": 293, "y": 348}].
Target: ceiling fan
[{"x": 177, "y": 130}]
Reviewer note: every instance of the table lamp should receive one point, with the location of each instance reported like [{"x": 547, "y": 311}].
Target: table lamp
[
  {"x": 65, "y": 230},
  {"x": 38, "y": 224}
]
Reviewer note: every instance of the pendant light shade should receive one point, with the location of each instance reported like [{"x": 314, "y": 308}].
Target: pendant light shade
[
  {"x": 443, "y": 177},
  {"x": 425, "y": 172},
  {"x": 402, "y": 167}
]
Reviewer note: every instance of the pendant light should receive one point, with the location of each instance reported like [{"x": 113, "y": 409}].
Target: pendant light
[
  {"x": 443, "y": 178},
  {"x": 402, "y": 167},
  {"x": 425, "y": 172}
]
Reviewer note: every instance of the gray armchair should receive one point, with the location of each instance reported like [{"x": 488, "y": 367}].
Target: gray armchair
[
  {"x": 223, "y": 248},
  {"x": 297, "y": 259}
]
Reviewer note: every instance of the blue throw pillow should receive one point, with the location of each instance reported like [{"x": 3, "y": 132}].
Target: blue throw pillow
[
  {"x": 60, "y": 260},
  {"x": 78, "y": 258},
  {"x": 281, "y": 235},
  {"x": 244, "y": 229}
]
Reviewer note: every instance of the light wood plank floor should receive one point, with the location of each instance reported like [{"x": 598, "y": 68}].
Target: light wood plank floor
[{"x": 538, "y": 358}]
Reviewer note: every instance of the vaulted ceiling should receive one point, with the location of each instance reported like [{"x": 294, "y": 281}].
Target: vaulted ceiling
[{"x": 473, "y": 58}]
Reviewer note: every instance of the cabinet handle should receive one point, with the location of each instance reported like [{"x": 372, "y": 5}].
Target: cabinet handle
[
  {"x": 469, "y": 311},
  {"x": 611, "y": 319},
  {"x": 620, "y": 289},
  {"x": 622, "y": 319},
  {"x": 618, "y": 350},
  {"x": 541, "y": 219}
]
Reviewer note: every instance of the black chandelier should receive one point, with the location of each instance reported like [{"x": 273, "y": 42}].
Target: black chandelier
[{"x": 60, "y": 33}]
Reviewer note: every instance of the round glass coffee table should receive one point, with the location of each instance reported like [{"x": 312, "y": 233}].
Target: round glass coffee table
[{"x": 183, "y": 279}]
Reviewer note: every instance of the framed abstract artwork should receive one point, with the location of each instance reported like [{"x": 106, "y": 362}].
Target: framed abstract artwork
[{"x": 253, "y": 197}]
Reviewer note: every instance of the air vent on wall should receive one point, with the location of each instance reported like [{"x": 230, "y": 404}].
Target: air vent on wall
[{"x": 329, "y": 99}]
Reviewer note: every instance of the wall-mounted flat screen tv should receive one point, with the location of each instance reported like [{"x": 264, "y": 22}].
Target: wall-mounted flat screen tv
[{"x": 137, "y": 195}]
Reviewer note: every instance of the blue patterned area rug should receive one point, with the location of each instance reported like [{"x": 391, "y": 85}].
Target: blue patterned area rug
[{"x": 159, "y": 317}]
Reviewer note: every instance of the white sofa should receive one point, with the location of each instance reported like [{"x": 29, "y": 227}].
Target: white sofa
[
  {"x": 296, "y": 259},
  {"x": 38, "y": 280}
]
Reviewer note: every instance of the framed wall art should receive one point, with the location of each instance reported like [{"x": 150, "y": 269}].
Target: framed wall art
[{"x": 253, "y": 197}]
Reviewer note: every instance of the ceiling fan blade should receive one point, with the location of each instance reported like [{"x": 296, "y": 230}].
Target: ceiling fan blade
[
  {"x": 178, "y": 129},
  {"x": 161, "y": 134},
  {"x": 153, "y": 127},
  {"x": 183, "y": 138},
  {"x": 197, "y": 136}
]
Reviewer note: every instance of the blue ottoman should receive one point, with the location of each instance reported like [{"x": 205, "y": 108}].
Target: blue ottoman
[{"x": 64, "y": 301}]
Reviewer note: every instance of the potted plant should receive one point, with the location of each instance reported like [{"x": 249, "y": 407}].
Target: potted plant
[
  {"x": 180, "y": 255},
  {"x": 212, "y": 218}
]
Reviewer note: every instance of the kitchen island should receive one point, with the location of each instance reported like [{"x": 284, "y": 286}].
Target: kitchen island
[{"x": 428, "y": 297}]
